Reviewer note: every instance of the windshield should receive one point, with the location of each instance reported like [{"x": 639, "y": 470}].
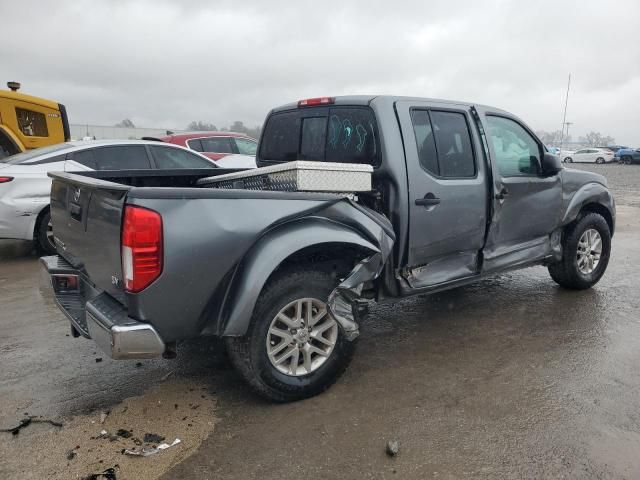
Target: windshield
[{"x": 33, "y": 155}]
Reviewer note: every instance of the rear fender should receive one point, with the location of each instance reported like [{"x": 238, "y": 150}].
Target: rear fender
[{"x": 271, "y": 250}]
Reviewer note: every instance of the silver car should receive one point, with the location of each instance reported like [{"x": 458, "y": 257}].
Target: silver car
[{"x": 25, "y": 186}]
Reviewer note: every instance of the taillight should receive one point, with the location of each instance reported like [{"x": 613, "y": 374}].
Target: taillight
[
  {"x": 310, "y": 102},
  {"x": 141, "y": 247},
  {"x": 5, "y": 179}
]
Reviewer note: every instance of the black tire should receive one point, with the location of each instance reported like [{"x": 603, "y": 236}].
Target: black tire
[
  {"x": 566, "y": 272},
  {"x": 568, "y": 160},
  {"x": 600, "y": 160},
  {"x": 42, "y": 238},
  {"x": 248, "y": 354},
  {"x": 626, "y": 160}
]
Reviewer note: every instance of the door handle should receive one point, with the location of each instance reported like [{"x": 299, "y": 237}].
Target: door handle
[
  {"x": 429, "y": 200},
  {"x": 502, "y": 194}
]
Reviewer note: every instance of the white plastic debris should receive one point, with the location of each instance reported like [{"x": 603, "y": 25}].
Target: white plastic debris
[{"x": 146, "y": 451}]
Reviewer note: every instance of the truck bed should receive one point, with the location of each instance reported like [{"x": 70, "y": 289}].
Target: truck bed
[{"x": 207, "y": 235}]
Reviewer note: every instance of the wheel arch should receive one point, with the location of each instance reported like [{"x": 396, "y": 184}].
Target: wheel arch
[
  {"x": 38, "y": 219},
  {"x": 310, "y": 240},
  {"x": 593, "y": 197}
]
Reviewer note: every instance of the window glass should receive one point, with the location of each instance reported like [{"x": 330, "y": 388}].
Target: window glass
[
  {"x": 425, "y": 141},
  {"x": 281, "y": 137},
  {"x": 195, "y": 144},
  {"x": 216, "y": 145},
  {"x": 86, "y": 158},
  {"x": 453, "y": 143},
  {"x": 517, "y": 153},
  {"x": 32, "y": 124},
  {"x": 349, "y": 135},
  {"x": 168, "y": 157},
  {"x": 132, "y": 157},
  {"x": 246, "y": 147},
  {"x": 314, "y": 133}
]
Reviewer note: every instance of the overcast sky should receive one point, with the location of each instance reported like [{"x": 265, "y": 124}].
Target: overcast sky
[{"x": 163, "y": 63}]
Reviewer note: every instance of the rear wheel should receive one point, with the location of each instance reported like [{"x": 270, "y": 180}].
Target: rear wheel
[
  {"x": 600, "y": 160},
  {"x": 586, "y": 246},
  {"x": 568, "y": 160},
  {"x": 293, "y": 348},
  {"x": 44, "y": 234}
]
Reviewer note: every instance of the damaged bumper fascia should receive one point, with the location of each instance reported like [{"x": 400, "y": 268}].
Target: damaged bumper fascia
[{"x": 344, "y": 298}]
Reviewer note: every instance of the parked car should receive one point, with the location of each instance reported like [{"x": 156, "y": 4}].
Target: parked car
[
  {"x": 629, "y": 155},
  {"x": 290, "y": 272},
  {"x": 553, "y": 150},
  {"x": 590, "y": 155},
  {"x": 25, "y": 186},
  {"x": 215, "y": 145}
]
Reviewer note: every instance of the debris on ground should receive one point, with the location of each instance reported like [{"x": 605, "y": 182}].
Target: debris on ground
[
  {"x": 164, "y": 377},
  {"x": 28, "y": 421},
  {"x": 103, "y": 416},
  {"x": 393, "y": 447},
  {"x": 124, "y": 433},
  {"x": 71, "y": 455},
  {"x": 97, "y": 447},
  {"x": 147, "y": 451},
  {"x": 98, "y": 360},
  {"x": 108, "y": 474},
  {"x": 152, "y": 438}
]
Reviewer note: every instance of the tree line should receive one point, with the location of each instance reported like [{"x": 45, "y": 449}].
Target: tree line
[
  {"x": 591, "y": 139},
  {"x": 200, "y": 126}
]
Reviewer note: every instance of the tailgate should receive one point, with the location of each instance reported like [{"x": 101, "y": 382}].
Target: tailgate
[{"x": 86, "y": 214}]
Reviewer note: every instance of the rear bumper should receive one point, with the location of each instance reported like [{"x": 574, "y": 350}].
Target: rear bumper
[{"x": 97, "y": 315}]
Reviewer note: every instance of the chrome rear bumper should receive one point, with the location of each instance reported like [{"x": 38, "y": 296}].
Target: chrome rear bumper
[{"x": 96, "y": 315}]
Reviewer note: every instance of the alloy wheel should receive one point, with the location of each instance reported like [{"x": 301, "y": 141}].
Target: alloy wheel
[
  {"x": 589, "y": 251},
  {"x": 301, "y": 337}
]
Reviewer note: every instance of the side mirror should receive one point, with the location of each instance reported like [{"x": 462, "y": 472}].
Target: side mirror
[{"x": 550, "y": 164}]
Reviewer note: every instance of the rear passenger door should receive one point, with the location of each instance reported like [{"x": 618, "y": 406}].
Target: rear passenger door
[{"x": 447, "y": 192}]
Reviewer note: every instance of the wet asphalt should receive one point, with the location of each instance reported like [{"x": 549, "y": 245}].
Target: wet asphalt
[{"x": 512, "y": 377}]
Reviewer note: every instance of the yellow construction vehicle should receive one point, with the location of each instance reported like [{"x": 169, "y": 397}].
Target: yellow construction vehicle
[{"x": 28, "y": 122}]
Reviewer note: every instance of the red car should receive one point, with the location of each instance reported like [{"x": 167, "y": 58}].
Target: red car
[{"x": 214, "y": 145}]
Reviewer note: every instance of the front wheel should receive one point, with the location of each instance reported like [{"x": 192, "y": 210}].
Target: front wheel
[
  {"x": 568, "y": 160},
  {"x": 293, "y": 348},
  {"x": 586, "y": 246},
  {"x": 44, "y": 234}
]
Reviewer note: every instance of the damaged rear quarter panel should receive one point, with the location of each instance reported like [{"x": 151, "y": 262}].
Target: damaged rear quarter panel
[{"x": 205, "y": 242}]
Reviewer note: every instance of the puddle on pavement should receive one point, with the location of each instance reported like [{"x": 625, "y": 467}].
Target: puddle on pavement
[{"x": 172, "y": 410}]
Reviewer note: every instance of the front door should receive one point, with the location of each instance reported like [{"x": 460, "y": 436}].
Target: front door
[
  {"x": 447, "y": 193},
  {"x": 526, "y": 205}
]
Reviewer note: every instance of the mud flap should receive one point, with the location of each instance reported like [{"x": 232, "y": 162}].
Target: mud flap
[{"x": 344, "y": 298}]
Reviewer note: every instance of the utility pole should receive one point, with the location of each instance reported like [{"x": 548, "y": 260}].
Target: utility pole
[
  {"x": 564, "y": 118},
  {"x": 568, "y": 124}
]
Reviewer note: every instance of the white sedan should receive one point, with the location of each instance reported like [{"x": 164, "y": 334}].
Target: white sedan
[
  {"x": 25, "y": 186},
  {"x": 589, "y": 155}
]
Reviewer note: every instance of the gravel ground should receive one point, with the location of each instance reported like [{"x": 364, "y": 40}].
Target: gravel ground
[{"x": 624, "y": 180}]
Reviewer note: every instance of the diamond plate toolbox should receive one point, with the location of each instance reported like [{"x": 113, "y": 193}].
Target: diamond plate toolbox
[{"x": 298, "y": 176}]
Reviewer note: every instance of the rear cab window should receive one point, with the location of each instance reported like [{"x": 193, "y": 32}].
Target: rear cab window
[{"x": 346, "y": 134}]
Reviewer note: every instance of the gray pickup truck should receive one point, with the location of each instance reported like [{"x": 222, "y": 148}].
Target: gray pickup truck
[{"x": 458, "y": 192}]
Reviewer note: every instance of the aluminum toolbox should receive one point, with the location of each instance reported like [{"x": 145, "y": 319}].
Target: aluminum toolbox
[{"x": 298, "y": 176}]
